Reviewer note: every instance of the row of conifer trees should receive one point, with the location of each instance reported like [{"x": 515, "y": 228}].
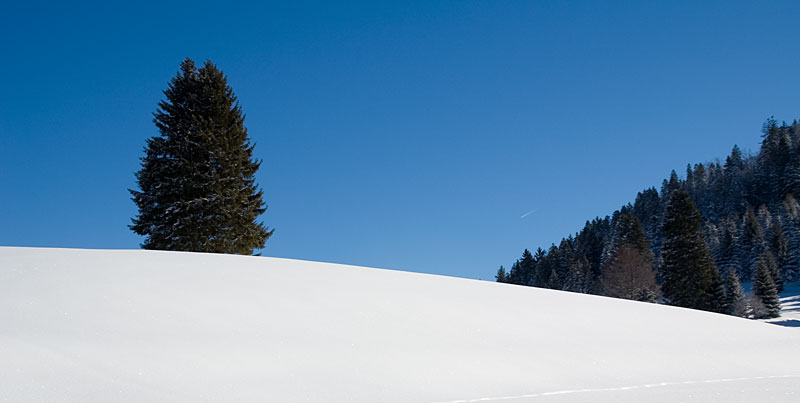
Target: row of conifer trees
[{"x": 693, "y": 242}]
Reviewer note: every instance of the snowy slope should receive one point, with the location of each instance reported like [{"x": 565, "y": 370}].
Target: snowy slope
[{"x": 133, "y": 326}]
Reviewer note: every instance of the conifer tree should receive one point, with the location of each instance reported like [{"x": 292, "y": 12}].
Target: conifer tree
[
  {"x": 578, "y": 276},
  {"x": 791, "y": 211},
  {"x": 542, "y": 269},
  {"x": 779, "y": 246},
  {"x": 630, "y": 232},
  {"x": 735, "y": 303},
  {"x": 791, "y": 178},
  {"x": 732, "y": 190},
  {"x": 717, "y": 291},
  {"x": 691, "y": 279},
  {"x": 764, "y": 290},
  {"x": 727, "y": 257},
  {"x": 514, "y": 276},
  {"x": 752, "y": 244},
  {"x": 773, "y": 269},
  {"x": 501, "y": 275},
  {"x": 647, "y": 209},
  {"x": 197, "y": 186}
]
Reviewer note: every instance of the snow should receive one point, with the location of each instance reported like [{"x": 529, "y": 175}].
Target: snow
[
  {"x": 790, "y": 306},
  {"x": 132, "y": 326}
]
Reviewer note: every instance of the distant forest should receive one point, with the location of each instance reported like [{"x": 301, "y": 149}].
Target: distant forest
[{"x": 749, "y": 221}]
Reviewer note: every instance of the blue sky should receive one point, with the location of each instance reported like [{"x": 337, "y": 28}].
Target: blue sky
[{"x": 407, "y": 135}]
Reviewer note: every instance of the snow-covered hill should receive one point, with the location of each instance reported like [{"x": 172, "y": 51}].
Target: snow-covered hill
[{"x": 134, "y": 326}]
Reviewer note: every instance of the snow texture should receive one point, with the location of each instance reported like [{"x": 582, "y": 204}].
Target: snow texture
[{"x": 133, "y": 326}]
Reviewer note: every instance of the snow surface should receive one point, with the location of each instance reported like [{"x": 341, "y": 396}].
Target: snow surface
[
  {"x": 133, "y": 326},
  {"x": 790, "y": 306}
]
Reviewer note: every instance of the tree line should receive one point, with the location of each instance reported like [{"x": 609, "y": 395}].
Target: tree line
[{"x": 692, "y": 242}]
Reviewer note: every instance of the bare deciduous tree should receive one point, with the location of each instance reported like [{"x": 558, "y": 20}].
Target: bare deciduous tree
[{"x": 630, "y": 275}]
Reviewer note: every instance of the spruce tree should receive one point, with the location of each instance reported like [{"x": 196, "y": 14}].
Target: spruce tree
[
  {"x": 752, "y": 244},
  {"x": 691, "y": 279},
  {"x": 772, "y": 268},
  {"x": 727, "y": 257},
  {"x": 735, "y": 303},
  {"x": 764, "y": 289},
  {"x": 197, "y": 185},
  {"x": 647, "y": 209},
  {"x": 578, "y": 276},
  {"x": 501, "y": 275},
  {"x": 514, "y": 275},
  {"x": 779, "y": 246},
  {"x": 791, "y": 179},
  {"x": 791, "y": 210},
  {"x": 716, "y": 291},
  {"x": 732, "y": 184},
  {"x": 527, "y": 268}
]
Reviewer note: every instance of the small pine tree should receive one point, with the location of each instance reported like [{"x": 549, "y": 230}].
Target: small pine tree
[
  {"x": 197, "y": 180},
  {"x": 735, "y": 303},
  {"x": 501, "y": 275},
  {"x": 764, "y": 289}
]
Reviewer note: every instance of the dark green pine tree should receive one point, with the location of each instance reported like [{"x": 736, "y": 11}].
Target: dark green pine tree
[
  {"x": 733, "y": 186},
  {"x": 647, "y": 209},
  {"x": 544, "y": 268},
  {"x": 779, "y": 246},
  {"x": 727, "y": 258},
  {"x": 578, "y": 275},
  {"x": 691, "y": 279},
  {"x": 554, "y": 279},
  {"x": 791, "y": 212},
  {"x": 501, "y": 275},
  {"x": 527, "y": 267},
  {"x": 630, "y": 233},
  {"x": 716, "y": 290},
  {"x": 764, "y": 289},
  {"x": 791, "y": 178},
  {"x": 772, "y": 267},
  {"x": 752, "y": 244},
  {"x": 735, "y": 303},
  {"x": 197, "y": 186}
]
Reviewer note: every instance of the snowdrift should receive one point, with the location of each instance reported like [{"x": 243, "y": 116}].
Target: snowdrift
[{"x": 134, "y": 326}]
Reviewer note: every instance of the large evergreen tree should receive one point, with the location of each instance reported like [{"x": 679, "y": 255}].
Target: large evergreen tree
[
  {"x": 197, "y": 186},
  {"x": 691, "y": 279}
]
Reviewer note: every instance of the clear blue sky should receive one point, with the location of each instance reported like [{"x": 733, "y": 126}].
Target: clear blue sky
[{"x": 407, "y": 135}]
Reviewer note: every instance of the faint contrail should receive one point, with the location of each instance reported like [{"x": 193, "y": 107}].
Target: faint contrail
[{"x": 527, "y": 214}]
